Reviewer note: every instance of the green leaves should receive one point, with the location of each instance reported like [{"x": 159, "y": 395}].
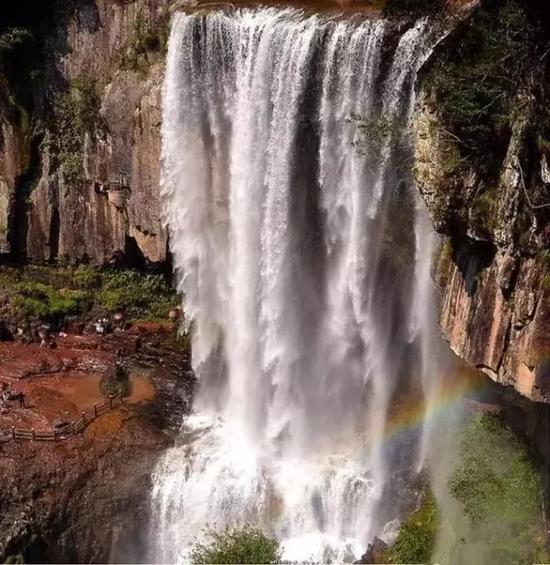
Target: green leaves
[
  {"x": 416, "y": 539},
  {"x": 76, "y": 112},
  {"x": 143, "y": 296},
  {"x": 476, "y": 83},
  {"x": 237, "y": 545},
  {"x": 48, "y": 303},
  {"x": 51, "y": 293}
]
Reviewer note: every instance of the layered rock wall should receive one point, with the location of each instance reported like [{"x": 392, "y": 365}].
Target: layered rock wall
[
  {"x": 110, "y": 208},
  {"x": 495, "y": 291}
]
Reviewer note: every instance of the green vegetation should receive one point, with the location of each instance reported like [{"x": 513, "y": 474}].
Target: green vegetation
[
  {"x": 376, "y": 131},
  {"x": 143, "y": 296},
  {"x": 50, "y": 294},
  {"x": 416, "y": 539},
  {"x": 146, "y": 40},
  {"x": 476, "y": 83},
  {"x": 237, "y": 545},
  {"x": 444, "y": 263},
  {"x": 498, "y": 489},
  {"x": 76, "y": 112},
  {"x": 484, "y": 211},
  {"x": 41, "y": 301},
  {"x": 491, "y": 512}
]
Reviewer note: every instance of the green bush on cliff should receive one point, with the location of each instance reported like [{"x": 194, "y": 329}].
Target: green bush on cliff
[
  {"x": 375, "y": 132},
  {"x": 416, "y": 539},
  {"x": 484, "y": 211},
  {"x": 146, "y": 39},
  {"x": 476, "y": 82},
  {"x": 76, "y": 113},
  {"x": 237, "y": 545}
]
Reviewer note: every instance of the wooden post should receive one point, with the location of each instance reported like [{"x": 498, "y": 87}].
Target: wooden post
[
  {"x": 13, "y": 432},
  {"x": 84, "y": 418},
  {"x": 32, "y": 434}
]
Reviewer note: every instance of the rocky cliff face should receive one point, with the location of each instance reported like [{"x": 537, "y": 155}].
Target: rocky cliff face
[
  {"x": 79, "y": 174},
  {"x": 495, "y": 309},
  {"x": 493, "y": 267},
  {"x": 79, "y": 182}
]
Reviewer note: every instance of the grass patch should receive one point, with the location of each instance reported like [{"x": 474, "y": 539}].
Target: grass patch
[
  {"x": 237, "y": 545},
  {"x": 45, "y": 302}
]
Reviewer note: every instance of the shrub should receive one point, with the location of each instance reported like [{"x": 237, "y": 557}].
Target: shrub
[
  {"x": 52, "y": 293},
  {"x": 76, "y": 113},
  {"x": 416, "y": 539},
  {"x": 45, "y": 302},
  {"x": 484, "y": 211},
  {"x": 476, "y": 83},
  {"x": 141, "y": 295},
  {"x": 146, "y": 39},
  {"x": 85, "y": 277},
  {"x": 376, "y": 131},
  {"x": 237, "y": 545}
]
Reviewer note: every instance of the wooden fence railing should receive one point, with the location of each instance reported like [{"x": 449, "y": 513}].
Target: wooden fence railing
[{"x": 66, "y": 431}]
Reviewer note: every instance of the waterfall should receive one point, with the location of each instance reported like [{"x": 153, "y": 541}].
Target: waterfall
[{"x": 304, "y": 258}]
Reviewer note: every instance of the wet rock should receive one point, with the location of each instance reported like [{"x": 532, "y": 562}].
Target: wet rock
[{"x": 375, "y": 552}]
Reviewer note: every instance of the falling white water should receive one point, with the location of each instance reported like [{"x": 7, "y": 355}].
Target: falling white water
[{"x": 309, "y": 293}]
